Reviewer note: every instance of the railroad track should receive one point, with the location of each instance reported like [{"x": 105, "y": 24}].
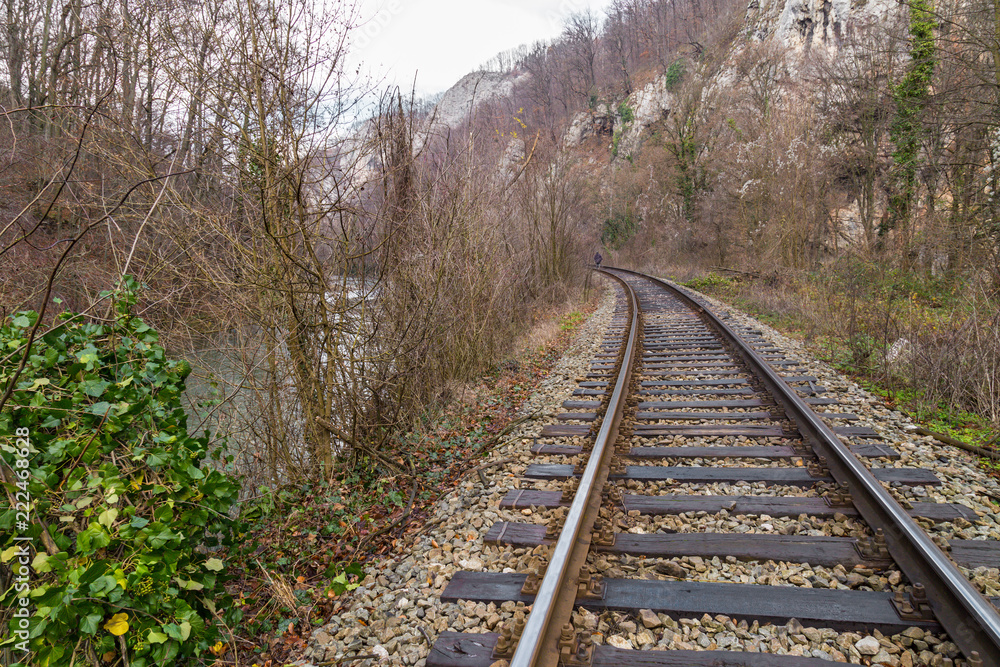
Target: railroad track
[{"x": 679, "y": 410}]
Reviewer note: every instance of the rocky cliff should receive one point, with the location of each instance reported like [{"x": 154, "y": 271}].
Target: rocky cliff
[
  {"x": 801, "y": 31},
  {"x": 804, "y": 25},
  {"x": 470, "y": 92}
]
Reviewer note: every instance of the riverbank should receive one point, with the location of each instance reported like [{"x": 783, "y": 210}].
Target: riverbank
[{"x": 308, "y": 544}]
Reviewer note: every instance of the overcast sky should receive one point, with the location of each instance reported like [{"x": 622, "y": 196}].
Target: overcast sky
[{"x": 442, "y": 40}]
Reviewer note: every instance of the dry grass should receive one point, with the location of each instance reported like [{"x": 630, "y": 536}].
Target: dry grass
[
  {"x": 545, "y": 326},
  {"x": 960, "y": 366},
  {"x": 947, "y": 340}
]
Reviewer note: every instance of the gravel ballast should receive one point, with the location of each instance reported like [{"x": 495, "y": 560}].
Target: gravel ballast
[{"x": 396, "y": 614}]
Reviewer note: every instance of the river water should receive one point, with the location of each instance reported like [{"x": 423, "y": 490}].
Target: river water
[{"x": 229, "y": 393}]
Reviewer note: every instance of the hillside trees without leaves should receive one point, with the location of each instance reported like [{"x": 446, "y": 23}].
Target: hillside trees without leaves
[
  {"x": 341, "y": 274},
  {"x": 205, "y": 147}
]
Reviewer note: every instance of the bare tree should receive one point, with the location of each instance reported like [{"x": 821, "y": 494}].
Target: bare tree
[
  {"x": 580, "y": 42},
  {"x": 856, "y": 100},
  {"x": 553, "y": 206},
  {"x": 621, "y": 40}
]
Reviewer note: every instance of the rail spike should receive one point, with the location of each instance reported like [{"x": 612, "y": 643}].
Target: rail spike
[
  {"x": 510, "y": 635},
  {"x": 518, "y": 625},
  {"x": 873, "y": 548},
  {"x": 531, "y": 584},
  {"x": 604, "y": 536},
  {"x": 613, "y": 494},
  {"x": 504, "y": 649},
  {"x": 536, "y": 572},
  {"x": 818, "y": 468},
  {"x": 569, "y": 490},
  {"x": 839, "y": 496}
]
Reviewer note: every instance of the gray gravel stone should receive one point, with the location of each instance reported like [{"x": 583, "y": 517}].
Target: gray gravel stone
[{"x": 867, "y": 646}]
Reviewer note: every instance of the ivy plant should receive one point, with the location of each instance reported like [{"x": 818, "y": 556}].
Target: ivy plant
[
  {"x": 626, "y": 112},
  {"x": 675, "y": 73},
  {"x": 126, "y": 573},
  {"x": 912, "y": 94}
]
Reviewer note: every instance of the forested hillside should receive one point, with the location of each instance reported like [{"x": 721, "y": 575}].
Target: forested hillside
[
  {"x": 834, "y": 163},
  {"x": 782, "y": 133},
  {"x": 215, "y": 151}
]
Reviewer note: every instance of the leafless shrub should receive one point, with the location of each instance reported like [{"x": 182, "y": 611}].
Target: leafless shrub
[{"x": 957, "y": 362}]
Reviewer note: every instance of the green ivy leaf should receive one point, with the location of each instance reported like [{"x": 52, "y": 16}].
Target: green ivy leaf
[
  {"x": 88, "y": 356},
  {"x": 102, "y": 584},
  {"x": 159, "y": 539},
  {"x": 214, "y": 564},
  {"x": 164, "y": 512},
  {"x": 188, "y": 585},
  {"x": 179, "y": 632},
  {"x": 90, "y": 623},
  {"x": 92, "y": 539},
  {"x": 94, "y": 388},
  {"x": 40, "y": 564},
  {"x": 107, "y": 517},
  {"x": 39, "y": 382},
  {"x": 100, "y": 409}
]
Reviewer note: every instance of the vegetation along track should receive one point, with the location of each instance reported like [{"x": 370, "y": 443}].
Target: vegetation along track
[{"x": 707, "y": 396}]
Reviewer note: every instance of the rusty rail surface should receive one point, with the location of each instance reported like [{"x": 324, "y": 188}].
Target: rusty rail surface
[{"x": 557, "y": 592}]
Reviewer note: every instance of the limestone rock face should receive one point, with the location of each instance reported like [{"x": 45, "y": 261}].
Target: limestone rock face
[
  {"x": 472, "y": 90},
  {"x": 653, "y": 102},
  {"x": 597, "y": 122},
  {"x": 806, "y": 25},
  {"x": 581, "y": 127},
  {"x": 650, "y": 104},
  {"x": 512, "y": 159}
]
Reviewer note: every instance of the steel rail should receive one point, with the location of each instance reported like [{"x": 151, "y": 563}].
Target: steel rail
[
  {"x": 537, "y": 625},
  {"x": 968, "y": 617}
]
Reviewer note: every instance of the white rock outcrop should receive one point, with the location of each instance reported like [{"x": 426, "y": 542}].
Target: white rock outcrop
[
  {"x": 581, "y": 127},
  {"x": 649, "y": 104},
  {"x": 473, "y": 89},
  {"x": 805, "y": 25},
  {"x": 512, "y": 159},
  {"x": 599, "y": 121}
]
